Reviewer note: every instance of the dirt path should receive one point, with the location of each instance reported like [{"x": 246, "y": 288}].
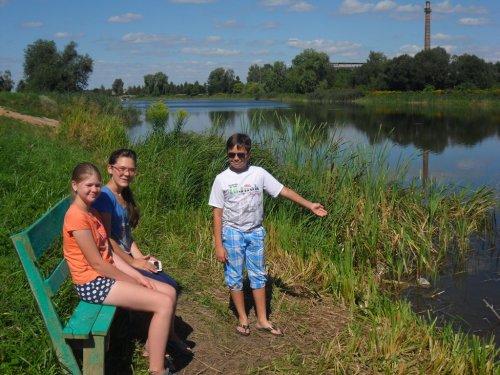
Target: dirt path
[
  {"x": 308, "y": 324},
  {"x": 29, "y": 119}
]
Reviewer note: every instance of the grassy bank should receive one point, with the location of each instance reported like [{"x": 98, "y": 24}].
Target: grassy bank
[
  {"x": 435, "y": 99},
  {"x": 379, "y": 231}
]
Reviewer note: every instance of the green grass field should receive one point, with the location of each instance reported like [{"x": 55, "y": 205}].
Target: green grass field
[{"x": 375, "y": 223}]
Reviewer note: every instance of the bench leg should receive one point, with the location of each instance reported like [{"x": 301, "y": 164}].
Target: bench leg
[{"x": 94, "y": 355}]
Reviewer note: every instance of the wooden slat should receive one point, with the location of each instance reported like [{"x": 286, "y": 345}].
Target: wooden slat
[
  {"x": 46, "y": 229},
  {"x": 55, "y": 280},
  {"x": 103, "y": 322},
  {"x": 90, "y": 322},
  {"x": 49, "y": 313},
  {"x": 80, "y": 324}
]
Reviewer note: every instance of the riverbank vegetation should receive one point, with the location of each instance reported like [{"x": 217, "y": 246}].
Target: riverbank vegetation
[{"x": 381, "y": 231}]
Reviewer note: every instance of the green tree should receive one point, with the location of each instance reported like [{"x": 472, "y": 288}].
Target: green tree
[
  {"x": 117, "y": 86},
  {"x": 280, "y": 70},
  {"x": 400, "y": 73},
  {"x": 21, "y": 86},
  {"x": 45, "y": 69},
  {"x": 156, "y": 84},
  {"x": 6, "y": 82},
  {"x": 309, "y": 69},
  {"x": 432, "y": 68},
  {"x": 254, "y": 74},
  {"x": 221, "y": 81},
  {"x": 371, "y": 74},
  {"x": 470, "y": 70}
]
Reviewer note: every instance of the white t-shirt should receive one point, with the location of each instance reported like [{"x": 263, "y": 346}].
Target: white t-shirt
[{"x": 241, "y": 196}]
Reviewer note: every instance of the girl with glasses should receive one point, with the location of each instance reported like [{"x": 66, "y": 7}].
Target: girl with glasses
[
  {"x": 120, "y": 214},
  {"x": 102, "y": 278}
]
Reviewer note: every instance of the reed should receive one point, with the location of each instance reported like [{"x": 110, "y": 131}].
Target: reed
[
  {"x": 381, "y": 230},
  {"x": 91, "y": 125}
]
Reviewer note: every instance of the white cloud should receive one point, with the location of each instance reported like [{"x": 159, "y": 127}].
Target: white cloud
[
  {"x": 409, "y": 49},
  {"x": 355, "y": 6},
  {"x": 210, "y": 51},
  {"x": 446, "y": 7},
  {"x": 302, "y": 7},
  {"x": 441, "y": 36},
  {"x": 328, "y": 46},
  {"x": 270, "y": 25},
  {"x": 213, "y": 39},
  {"x": 62, "y": 35},
  {"x": 468, "y": 21},
  {"x": 409, "y": 8},
  {"x": 31, "y": 25},
  {"x": 191, "y": 1},
  {"x": 228, "y": 24},
  {"x": 125, "y": 18},
  {"x": 274, "y": 3},
  {"x": 153, "y": 38},
  {"x": 385, "y": 5},
  {"x": 450, "y": 48}
]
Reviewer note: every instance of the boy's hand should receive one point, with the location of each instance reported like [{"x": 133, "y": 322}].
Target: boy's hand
[
  {"x": 221, "y": 254},
  {"x": 318, "y": 209}
]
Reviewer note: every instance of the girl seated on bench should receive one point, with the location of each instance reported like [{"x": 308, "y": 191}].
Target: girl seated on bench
[{"x": 99, "y": 277}]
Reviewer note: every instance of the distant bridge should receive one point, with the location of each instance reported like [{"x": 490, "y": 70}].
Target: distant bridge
[{"x": 347, "y": 65}]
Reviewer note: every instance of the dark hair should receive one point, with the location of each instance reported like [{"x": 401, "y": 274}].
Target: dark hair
[
  {"x": 239, "y": 140},
  {"x": 128, "y": 197}
]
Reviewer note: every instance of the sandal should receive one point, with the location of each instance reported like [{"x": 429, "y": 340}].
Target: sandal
[
  {"x": 246, "y": 329},
  {"x": 270, "y": 330}
]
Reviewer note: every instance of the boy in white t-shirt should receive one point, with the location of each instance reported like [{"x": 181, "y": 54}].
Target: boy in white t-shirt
[{"x": 237, "y": 198}]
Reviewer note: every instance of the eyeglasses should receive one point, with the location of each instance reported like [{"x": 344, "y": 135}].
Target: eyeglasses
[
  {"x": 241, "y": 155},
  {"x": 122, "y": 170}
]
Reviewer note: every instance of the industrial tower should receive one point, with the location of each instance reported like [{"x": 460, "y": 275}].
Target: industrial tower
[{"x": 427, "y": 25}]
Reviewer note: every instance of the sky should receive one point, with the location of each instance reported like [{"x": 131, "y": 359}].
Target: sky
[{"x": 187, "y": 39}]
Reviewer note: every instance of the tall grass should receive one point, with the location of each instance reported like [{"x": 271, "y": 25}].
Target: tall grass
[
  {"x": 91, "y": 126},
  {"x": 379, "y": 230}
]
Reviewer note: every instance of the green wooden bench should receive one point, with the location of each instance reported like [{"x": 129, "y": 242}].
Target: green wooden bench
[{"x": 89, "y": 323}]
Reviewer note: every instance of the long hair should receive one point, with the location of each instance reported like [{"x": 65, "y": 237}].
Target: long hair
[{"x": 128, "y": 197}]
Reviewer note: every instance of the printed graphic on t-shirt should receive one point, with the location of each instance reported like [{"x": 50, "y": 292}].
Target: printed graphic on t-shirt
[{"x": 247, "y": 196}]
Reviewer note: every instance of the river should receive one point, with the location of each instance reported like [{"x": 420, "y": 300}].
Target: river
[{"x": 460, "y": 148}]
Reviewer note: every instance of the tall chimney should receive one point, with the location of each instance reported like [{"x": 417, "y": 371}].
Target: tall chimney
[{"x": 427, "y": 25}]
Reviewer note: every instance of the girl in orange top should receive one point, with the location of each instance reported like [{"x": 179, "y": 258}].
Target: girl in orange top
[{"x": 101, "y": 278}]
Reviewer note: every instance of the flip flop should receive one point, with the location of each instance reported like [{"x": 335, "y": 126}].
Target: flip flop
[
  {"x": 270, "y": 330},
  {"x": 246, "y": 329}
]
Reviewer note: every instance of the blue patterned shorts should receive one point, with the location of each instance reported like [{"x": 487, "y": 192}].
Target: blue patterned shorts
[
  {"x": 95, "y": 291},
  {"x": 244, "y": 248}
]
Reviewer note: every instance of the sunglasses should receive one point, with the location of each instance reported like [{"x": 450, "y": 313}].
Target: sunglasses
[{"x": 241, "y": 155}]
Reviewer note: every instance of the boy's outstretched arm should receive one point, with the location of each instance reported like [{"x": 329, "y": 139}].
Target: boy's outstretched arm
[
  {"x": 220, "y": 252},
  {"x": 316, "y": 208}
]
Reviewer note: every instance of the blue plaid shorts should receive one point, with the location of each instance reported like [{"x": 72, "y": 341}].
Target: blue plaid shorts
[{"x": 244, "y": 248}]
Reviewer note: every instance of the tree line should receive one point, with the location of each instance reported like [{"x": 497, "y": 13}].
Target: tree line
[{"x": 47, "y": 69}]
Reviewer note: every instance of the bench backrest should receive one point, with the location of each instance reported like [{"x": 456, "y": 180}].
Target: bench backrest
[{"x": 31, "y": 244}]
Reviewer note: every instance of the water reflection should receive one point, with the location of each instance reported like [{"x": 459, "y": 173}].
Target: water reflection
[
  {"x": 460, "y": 147},
  {"x": 453, "y": 146}
]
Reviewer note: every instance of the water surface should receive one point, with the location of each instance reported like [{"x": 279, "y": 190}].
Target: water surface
[{"x": 459, "y": 147}]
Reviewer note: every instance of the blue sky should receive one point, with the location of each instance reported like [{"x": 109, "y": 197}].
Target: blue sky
[{"x": 187, "y": 39}]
